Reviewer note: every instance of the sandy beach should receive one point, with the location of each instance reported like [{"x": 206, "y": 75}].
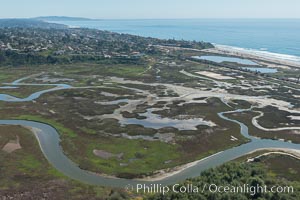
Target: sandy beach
[{"x": 276, "y": 60}]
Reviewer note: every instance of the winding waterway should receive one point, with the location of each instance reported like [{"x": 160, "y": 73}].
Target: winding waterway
[
  {"x": 49, "y": 142},
  {"x": 33, "y": 96}
]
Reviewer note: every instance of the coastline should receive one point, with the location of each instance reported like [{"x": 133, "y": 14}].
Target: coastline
[
  {"x": 268, "y": 59},
  {"x": 275, "y": 59},
  {"x": 259, "y": 53}
]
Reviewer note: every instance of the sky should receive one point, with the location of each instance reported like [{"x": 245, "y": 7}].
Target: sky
[{"x": 151, "y": 9}]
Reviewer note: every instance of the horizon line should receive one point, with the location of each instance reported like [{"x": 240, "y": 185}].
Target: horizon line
[{"x": 188, "y": 18}]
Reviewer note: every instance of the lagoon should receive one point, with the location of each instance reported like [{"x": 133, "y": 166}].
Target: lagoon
[
  {"x": 264, "y": 70},
  {"x": 220, "y": 59}
]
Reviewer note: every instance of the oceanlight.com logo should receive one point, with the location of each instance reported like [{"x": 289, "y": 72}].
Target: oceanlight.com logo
[{"x": 211, "y": 188}]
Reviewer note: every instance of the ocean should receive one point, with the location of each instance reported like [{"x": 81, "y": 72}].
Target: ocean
[{"x": 280, "y": 37}]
